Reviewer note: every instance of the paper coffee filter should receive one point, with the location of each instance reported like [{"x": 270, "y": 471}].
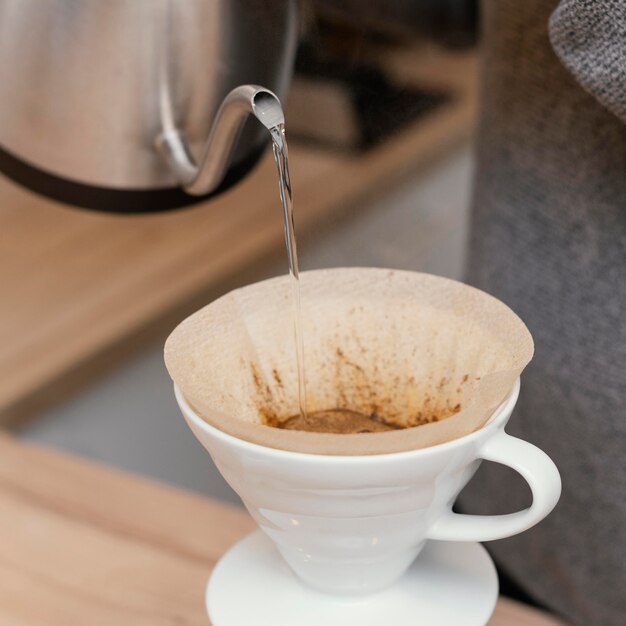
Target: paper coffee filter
[{"x": 421, "y": 351}]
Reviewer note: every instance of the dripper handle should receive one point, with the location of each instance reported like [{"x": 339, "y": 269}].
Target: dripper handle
[{"x": 537, "y": 469}]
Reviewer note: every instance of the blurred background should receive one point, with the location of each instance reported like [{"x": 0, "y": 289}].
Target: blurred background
[{"x": 380, "y": 116}]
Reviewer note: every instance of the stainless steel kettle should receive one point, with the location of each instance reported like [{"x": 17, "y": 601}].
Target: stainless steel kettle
[{"x": 119, "y": 104}]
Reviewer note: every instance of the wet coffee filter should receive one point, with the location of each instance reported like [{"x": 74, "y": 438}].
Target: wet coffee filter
[{"x": 423, "y": 352}]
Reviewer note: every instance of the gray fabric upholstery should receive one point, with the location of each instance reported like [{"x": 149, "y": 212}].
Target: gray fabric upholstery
[
  {"x": 589, "y": 37},
  {"x": 549, "y": 239}
]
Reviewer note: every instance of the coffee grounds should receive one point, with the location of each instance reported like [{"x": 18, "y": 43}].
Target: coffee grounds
[{"x": 336, "y": 421}]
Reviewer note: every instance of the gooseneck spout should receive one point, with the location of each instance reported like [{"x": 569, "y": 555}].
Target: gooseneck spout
[{"x": 198, "y": 178}]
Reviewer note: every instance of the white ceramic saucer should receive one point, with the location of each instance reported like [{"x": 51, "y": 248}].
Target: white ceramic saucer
[{"x": 449, "y": 584}]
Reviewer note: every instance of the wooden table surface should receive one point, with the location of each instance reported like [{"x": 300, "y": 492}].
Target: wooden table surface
[
  {"x": 81, "y": 289},
  {"x": 83, "y": 544}
]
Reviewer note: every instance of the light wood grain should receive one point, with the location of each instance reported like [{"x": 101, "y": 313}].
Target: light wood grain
[
  {"x": 510, "y": 613},
  {"x": 81, "y": 289},
  {"x": 86, "y": 544},
  {"x": 94, "y": 546}
]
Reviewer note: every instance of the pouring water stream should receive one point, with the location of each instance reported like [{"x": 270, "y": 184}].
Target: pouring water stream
[{"x": 281, "y": 156}]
